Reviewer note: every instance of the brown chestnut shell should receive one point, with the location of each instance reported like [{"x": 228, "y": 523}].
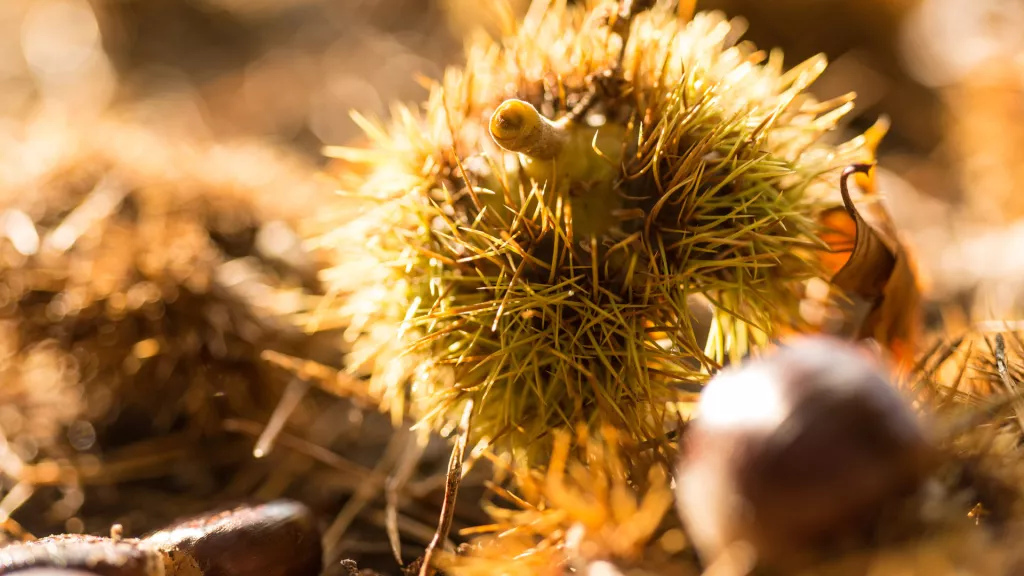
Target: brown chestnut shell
[
  {"x": 89, "y": 554},
  {"x": 279, "y": 538},
  {"x": 54, "y": 572},
  {"x": 797, "y": 452}
]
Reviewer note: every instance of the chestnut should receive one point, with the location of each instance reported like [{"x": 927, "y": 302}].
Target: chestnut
[
  {"x": 81, "y": 553},
  {"x": 797, "y": 453},
  {"x": 54, "y": 572},
  {"x": 279, "y": 538}
]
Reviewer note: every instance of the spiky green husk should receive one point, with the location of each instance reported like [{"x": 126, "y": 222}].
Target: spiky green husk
[{"x": 562, "y": 293}]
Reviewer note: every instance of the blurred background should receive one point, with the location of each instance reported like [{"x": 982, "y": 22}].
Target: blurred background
[
  {"x": 289, "y": 70},
  {"x": 948, "y": 73},
  {"x": 212, "y": 96}
]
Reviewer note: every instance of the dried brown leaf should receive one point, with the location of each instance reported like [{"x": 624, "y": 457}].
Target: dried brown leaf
[
  {"x": 880, "y": 272},
  {"x": 873, "y": 258}
]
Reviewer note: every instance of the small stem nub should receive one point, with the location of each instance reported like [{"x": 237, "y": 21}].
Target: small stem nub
[
  {"x": 844, "y": 187},
  {"x": 517, "y": 126}
]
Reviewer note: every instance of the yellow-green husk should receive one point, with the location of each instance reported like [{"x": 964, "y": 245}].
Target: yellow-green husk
[{"x": 559, "y": 290}]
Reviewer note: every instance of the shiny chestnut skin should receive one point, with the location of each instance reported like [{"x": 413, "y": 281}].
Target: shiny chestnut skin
[
  {"x": 54, "y": 572},
  {"x": 88, "y": 554},
  {"x": 797, "y": 452},
  {"x": 279, "y": 538},
  {"x": 275, "y": 539}
]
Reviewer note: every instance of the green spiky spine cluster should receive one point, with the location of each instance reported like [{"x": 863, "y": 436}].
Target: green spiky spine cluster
[{"x": 557, "y": 296}]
